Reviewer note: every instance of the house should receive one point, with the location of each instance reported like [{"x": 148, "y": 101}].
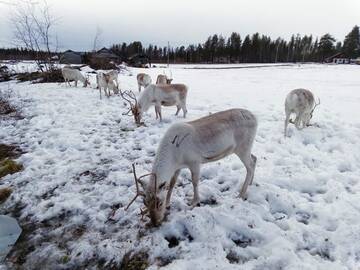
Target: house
[
  {"x": 355, "y": 61},
  {"x": 339, "y": 58},
  {"x": 138, "y": 60},
  {"x": 106, "y": 54},
  {"x": 71, "y": 57}
]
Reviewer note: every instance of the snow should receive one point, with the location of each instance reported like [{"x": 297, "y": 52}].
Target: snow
[{"x": 301, "y": 213}]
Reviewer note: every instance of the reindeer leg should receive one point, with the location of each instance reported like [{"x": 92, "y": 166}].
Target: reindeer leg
[
  {"x": 156, "y": 112},
  {"x": 254, "y": 159},
  {"x": 172, "y": 184},
  {"x": 195, "y": 173},
  {"x": 249, "y": 162},
  {"x": 297, "y": 121},
  {"x": 178, "y": 109},
  {"x": 286, "y": 124},
  {"x": 184, "y": 109},
  {"x": 158, "y": 107}
]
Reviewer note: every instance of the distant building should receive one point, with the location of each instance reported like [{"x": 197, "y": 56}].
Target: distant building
[
  {"x": 71, "y": 57},
  {"x": 106, "y": 54},
  {"x": 138, "y": 60},
  {"x": 339, "y": 58},
  {"x": 355, "y": 61}
]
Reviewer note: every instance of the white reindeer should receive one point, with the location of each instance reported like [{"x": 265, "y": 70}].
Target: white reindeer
[
  {"x": 143, "y": 80},
  {"x": 188, "y": 145},
  {"x": 301, "y": 102},
  {"x": 104, "y": 81},
  {"x": 72, "y": 74},
  {"x": 159, "y": 95},
  {"x": 114, "y": 74}
]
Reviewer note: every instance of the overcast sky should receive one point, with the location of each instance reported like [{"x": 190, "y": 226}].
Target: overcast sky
[{"x": 189, "y": 21}]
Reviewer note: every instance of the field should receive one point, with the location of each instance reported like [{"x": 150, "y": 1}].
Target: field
[{"x": 303, "y": 211}]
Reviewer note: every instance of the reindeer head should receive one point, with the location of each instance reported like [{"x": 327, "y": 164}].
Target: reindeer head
[
  {"x": 135, "y": 109},
  {"x": 312, "y": 111},
  {"x": 154, "y": 201},
  {"x": 153, "y": 197}
]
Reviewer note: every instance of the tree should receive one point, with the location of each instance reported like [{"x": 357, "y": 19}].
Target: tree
[
  {"x": 246, "y": 49},
  {"x": 33, "y": 24},
  {"x": 352, "y": 43},
  {"x": 326, "y": 46},
  {"x": 234, "y": 47}
]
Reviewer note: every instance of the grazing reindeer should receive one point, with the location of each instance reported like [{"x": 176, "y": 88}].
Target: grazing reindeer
[
  {"x": 302, "y": 103},
  {"x": 160, "y": 95},
  {"x": 72, "y": 74},
  {"x": 143, "y": 80},
  {"x": 188, "y": 145},
  {"x": 104, "y": 81},
  {"x": 114, "y": 74}
]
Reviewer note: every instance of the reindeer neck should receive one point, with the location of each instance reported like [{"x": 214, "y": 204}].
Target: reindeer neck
[
  {"x": 145, "y": 99},
  {"x": 164, "y": 165}
]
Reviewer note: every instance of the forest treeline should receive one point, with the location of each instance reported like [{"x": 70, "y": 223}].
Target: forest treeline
[{"x": 254, "y": 48}]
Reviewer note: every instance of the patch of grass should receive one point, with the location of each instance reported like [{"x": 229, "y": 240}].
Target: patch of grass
[
  {"x": 9, "y": 151},
  {"x": 137, "y": 261},
  {"x": 4, "y": 194},
  {"x": 5, "y": 105},
  {"x": 23, "y": 246},
  {"x": 9, "y": 166},
  {"x": 28, "y": 76}
]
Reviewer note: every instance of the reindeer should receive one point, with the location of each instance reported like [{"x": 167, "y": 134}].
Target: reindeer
[
  {"x": 104, "y": 81},
  {"x": 72, "y": 74},
  {"x": 302, "y": 103},
  {"x": 163, "y": 79},
  {"x": 114, "y": 74},
  {"x": 159, "y": 95},
  {"x": 188, "y": 145},
  {"x": 143, "y": 80}
]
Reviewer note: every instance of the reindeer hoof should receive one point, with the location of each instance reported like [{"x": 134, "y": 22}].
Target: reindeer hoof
[{"x": 243, "y": 197}]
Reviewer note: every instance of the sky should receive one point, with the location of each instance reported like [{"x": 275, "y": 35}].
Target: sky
[{"x": 184, "y": 22}]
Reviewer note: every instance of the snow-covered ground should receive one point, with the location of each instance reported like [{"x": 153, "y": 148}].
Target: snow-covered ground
[{"x": 303, "y": 211}]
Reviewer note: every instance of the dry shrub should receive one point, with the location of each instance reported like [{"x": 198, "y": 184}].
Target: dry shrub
[
  {"x": 9, "y": 166},
  {"x": 136, "y": 261},
  {"x": 5, "y": 106},
  {"x": 4, "y": 194},
  {"x": 101, "y": 63},
  {"x": 53, "y": 75}
]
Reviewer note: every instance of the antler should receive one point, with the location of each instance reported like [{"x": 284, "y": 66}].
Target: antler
[
  {"x": 138, "y": 192},
  {"x": 316, "y": 104},
  {"x": 137, "y": 181},
  {"x": 128, "y": 95}
]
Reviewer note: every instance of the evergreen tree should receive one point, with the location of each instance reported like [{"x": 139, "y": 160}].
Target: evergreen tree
[
  {"x": 352, "y": 43},
  {"x": 326, "y": 46}
]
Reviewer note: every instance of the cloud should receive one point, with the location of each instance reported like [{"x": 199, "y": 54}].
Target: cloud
[{"x": 187, "y": 21}]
